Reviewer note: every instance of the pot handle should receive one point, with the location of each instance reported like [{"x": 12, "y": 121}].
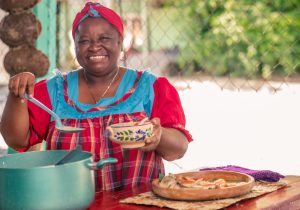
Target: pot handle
[{"x": 101, "y": 163}]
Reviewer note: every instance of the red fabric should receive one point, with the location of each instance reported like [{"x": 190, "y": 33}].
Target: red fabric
[
  {"x": 39, "y": 119},
  {"x": 167, "y": 106},
  {"x": 134, "y": 167},
  {"x": 108, "y": 14}
]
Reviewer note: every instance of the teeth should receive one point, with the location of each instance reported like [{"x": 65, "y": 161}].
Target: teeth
[{"x": 97, "y": 58}]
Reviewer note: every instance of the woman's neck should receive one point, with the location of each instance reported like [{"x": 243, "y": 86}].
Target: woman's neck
[
  {"x": 95, "y": 87},
  {"x": 104, "y": 78}
]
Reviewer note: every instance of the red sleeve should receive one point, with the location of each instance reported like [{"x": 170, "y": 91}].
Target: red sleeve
[
  {"x": 167, "y": 106},
  {"x": 38, "y": 118}
]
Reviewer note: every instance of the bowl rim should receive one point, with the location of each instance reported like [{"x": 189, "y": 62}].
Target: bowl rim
[{"x": 121, "y": 125}]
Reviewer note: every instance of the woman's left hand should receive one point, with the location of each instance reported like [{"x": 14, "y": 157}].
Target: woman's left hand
[{"x": 152, "y": 142}]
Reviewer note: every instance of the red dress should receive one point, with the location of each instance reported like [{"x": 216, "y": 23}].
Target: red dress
[{"x": 147, "y": 96}]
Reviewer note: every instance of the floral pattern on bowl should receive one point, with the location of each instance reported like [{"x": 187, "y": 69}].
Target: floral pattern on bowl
[{"x": 130, "y": 135}]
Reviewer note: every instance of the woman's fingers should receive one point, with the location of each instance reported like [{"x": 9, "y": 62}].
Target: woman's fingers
[
  {"x": 14, "y": 86},
  {"x": 155, "y": 122},
  {"x": 153, "y": 141},
  {"x": 30, "y": 87},
  {"x": 21, "y": 83},
  {"x": 157, "y": 129},
  {"x": 26, "y": 85},
  {"x": 22, "y": 87}
]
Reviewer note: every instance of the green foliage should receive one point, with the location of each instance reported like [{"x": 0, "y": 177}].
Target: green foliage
[
  {"x": 165, "y": 32},
  {"x": 247, "y": 38}
]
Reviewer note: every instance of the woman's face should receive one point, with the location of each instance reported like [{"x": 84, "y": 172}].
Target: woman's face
[{"x": 97, "y": 45}]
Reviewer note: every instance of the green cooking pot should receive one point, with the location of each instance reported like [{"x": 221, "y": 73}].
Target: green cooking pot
[{"x": 31, "y": 181}]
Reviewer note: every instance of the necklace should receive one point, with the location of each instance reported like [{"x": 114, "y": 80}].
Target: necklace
[{"x": 107, "y": 88}]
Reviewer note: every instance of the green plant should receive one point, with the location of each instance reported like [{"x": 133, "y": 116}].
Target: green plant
[{"x": 241, "y": 38}]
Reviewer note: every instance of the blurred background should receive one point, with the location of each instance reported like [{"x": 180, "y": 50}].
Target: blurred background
[{"x": 236, "y": 66}]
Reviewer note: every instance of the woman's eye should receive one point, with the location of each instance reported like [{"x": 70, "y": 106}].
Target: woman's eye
[
  {"x": 83, "y": 41},
  {"x": 105, "y": 38}
]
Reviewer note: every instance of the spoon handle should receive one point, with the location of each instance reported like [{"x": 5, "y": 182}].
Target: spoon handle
[
  {"x": 143, "y": 121},
  {"x": 70, "y": 155},
  {"x": 42, "y": 106}
]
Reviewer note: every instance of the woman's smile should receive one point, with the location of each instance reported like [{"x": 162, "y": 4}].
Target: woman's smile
[{"x": 98, "y": 58}]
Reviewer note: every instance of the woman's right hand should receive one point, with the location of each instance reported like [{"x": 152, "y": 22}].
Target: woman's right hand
[
  {"x": 22, "y": 83},
  {"x": 15, "y": 121}
]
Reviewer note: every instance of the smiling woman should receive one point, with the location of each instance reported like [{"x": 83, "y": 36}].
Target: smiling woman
[{"x": 94, "y": 97}]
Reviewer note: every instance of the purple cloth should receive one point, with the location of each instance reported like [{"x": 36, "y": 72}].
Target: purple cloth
[{"x": 258, "y": 175}]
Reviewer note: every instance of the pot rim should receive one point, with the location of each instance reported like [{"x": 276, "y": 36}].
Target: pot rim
[{"x": 50, "y": 166}]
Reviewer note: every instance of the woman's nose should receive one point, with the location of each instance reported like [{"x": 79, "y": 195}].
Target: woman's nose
[{"x": 95, "y": 45}]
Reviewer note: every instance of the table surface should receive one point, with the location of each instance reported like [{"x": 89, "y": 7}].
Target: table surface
[{"x": 287, "y": 198}]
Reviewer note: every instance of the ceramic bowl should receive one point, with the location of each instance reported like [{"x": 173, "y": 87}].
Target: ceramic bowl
[
  {"x": 244, "y": 184},
  {"x": 130, "y": 134}
]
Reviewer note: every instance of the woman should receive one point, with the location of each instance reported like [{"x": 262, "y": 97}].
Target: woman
[{"x": 95, "y": 96}]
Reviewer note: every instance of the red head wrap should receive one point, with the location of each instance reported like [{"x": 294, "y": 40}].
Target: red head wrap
[{"x": 97, "y": 10}]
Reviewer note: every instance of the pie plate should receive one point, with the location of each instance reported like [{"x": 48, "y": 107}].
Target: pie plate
[{"x": 244, "y": 185}]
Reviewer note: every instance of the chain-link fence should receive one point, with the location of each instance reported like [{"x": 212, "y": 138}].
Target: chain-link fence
[{"x": 234, "y": 44}]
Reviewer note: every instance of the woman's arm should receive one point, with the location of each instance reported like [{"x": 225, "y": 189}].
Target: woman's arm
[
  {"x": 170, "y": 138},
  {"x": 15, "y": 117},
  {"x": 15, "y": 122},
  {"x": 169, "y": 143},
  {"x": 173, "y": 144}
]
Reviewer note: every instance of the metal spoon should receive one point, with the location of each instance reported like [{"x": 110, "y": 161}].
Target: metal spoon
[{"x": 58, "y": 125}]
